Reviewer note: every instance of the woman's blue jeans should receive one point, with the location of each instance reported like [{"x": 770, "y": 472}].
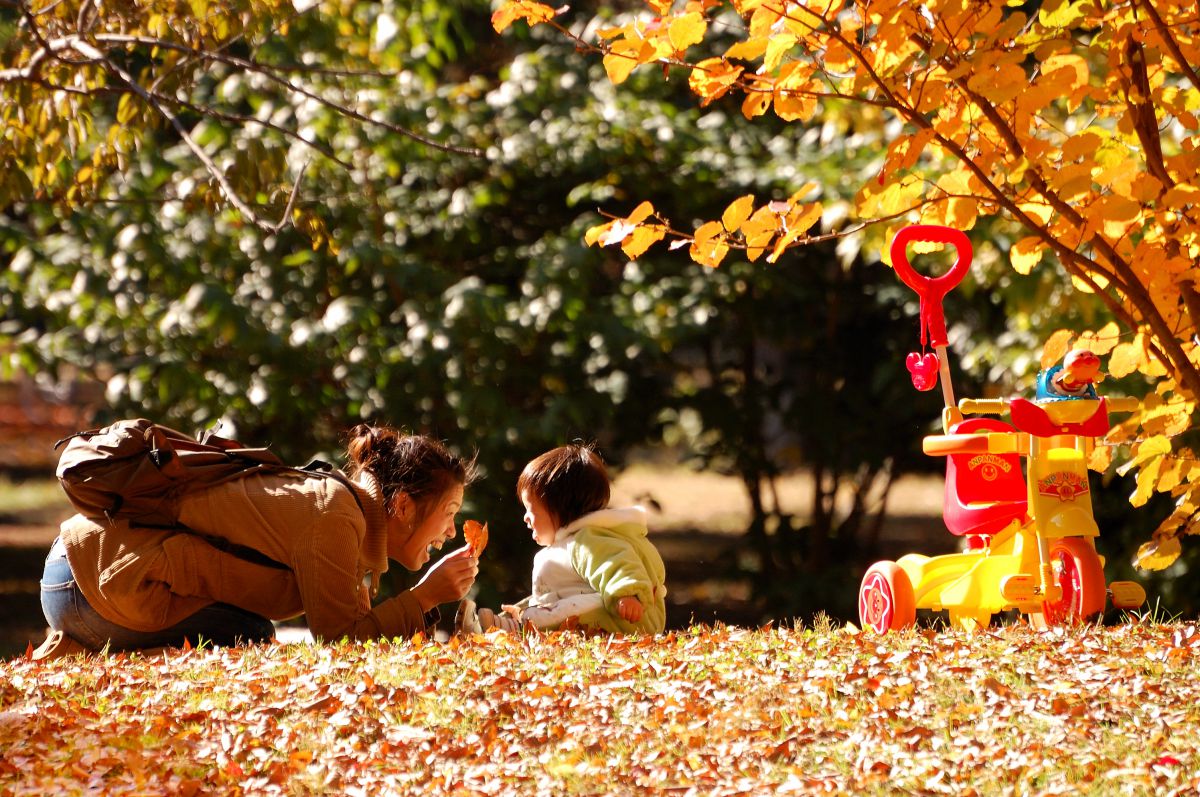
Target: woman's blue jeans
[{"x": 68, "y": 611}]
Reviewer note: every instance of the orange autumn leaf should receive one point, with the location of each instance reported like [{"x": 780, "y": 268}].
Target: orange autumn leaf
[
  {"x": 528, "y": 10},
  {"x": 713, "y": 77},
  {"x": 624, "y": 56},
  {"x": 476, "y": 535},
  {"x": 636, "y": 244}
]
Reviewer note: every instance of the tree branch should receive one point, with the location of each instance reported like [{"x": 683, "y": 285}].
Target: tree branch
[
  {"x": 270, "y": 73},
  {"x": 227, "y": 189},
  {"x": 214, "y": 113},
  {"x": 1141, "y": 111},
  {"x": 1169, "y": 41}
]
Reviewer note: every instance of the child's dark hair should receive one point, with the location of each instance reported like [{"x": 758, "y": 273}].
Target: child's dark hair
[
  {"x": 417, "y": 465},
  {"x": 570, "y": 481}
]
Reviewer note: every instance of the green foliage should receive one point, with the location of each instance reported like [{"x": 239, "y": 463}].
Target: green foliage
[{"x": 452, "y": 295}]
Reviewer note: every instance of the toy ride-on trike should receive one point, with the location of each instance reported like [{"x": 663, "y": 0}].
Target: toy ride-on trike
[{"x": 1017, "y": 492}]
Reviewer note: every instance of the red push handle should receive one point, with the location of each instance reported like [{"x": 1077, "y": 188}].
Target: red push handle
[{"x": 931, "y": 289}]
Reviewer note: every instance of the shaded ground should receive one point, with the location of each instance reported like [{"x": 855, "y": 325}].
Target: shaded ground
[{"x": 696, "y": 524}]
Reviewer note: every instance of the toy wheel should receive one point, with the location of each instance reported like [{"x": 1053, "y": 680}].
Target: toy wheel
[
  {"x": 1079, "y": 574},
  {"x": 885, "y": 599}
]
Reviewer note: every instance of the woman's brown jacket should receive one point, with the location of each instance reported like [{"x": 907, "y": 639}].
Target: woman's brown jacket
[{"x": 278, "y": 545}]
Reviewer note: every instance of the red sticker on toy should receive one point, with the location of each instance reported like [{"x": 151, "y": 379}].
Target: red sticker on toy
[{"x": 924, "y": 370}]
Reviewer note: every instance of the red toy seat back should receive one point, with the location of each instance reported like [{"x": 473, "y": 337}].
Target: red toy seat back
[{"x": 984, "y": 492}]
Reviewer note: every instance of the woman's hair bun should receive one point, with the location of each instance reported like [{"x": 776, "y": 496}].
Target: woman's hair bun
[{"x": 416, "y": 465}]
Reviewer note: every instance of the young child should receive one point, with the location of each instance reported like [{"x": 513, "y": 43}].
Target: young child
[{"x": 596, "y": 563}]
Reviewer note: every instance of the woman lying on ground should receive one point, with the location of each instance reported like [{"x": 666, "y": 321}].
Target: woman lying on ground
[{"x": 268, "y": 546}]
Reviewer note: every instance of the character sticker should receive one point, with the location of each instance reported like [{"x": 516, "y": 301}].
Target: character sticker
[
  {"x": 991, "y": 465},
  {"x": 1063, "y": 485}
]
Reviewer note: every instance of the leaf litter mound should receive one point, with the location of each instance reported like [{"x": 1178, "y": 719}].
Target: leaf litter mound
[{"x": 710, "y": 710}]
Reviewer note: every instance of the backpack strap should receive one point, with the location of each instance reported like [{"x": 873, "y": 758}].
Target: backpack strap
[{"x": 322, "y": 468}]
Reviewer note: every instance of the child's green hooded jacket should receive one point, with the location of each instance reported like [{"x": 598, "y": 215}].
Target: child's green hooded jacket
[{"x": 605, "y": 552}]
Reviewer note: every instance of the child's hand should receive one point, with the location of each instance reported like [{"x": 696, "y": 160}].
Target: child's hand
[
  {"x": 630, "y": 609},
  {"x": 512, "y": 611}
]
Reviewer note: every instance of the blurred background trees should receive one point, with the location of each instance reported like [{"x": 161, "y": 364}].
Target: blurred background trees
[{"x": 406, "y": 247}]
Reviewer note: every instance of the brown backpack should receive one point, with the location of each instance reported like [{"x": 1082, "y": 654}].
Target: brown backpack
[{"x": 138, "y": 469}]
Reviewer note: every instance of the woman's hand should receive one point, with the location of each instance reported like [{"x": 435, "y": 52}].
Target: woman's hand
[
  {"x": 447, "y": 580},
  {"x": 630, "y": 609}
]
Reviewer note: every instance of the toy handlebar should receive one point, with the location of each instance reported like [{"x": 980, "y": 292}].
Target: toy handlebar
[
  {"x": 931, "y": 289},
  {"x": 983, "y": 443},
  {"x": 983, "y": 406},
  {"x": 1123, "y": 404}
]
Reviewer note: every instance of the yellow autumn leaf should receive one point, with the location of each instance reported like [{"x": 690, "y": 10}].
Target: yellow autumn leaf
[
  {"x": 604, "y": 34},
  {"x": 640, "y": 213},
  {"x": 837, "y": 57},
  {"x": 712, "y": 77},
  {"x": 1147, "y": 479},
  {"x": 1060, "y": 15},
  {"x": 127, "y": 108},
  {"x": 1151, "y": 449},
  {"x": 749, "y": 49},
  {"x": 896, "y": 198},
  {"x": 1171, "y": 476},
  {"x": 783, "y": 243},
  {"x": 1056, "y": 347},
  {"x": 1178, "y": 418},
  {"x": 593, "y": 233},
  {"x": 1157, "y": 554},
  {"x": 624, "y": 56},
  {"x": 528, "y": 10},
  {"x": 777, "y": 48},
  {"x": 804, "y": 217},
  {"x": 1167, "y": 418},
  {"x": 709, "y": 253},
  {"x": 642, "y": 239},
  {"x": 709, "y": 231},
  {"x": 1100, "y": 458},
  {"x": 765, "y": 20},
  {"x": 758, "y": 232},
  {"x": 1127, "y": 358},
  {"x": 617, "y": 232},
  {"x": 738, "y": 212},
  {"x": 1106, "y": 339},
  {"x": 999, "y": 83},
  {"x": 687, "y": 30},
  {"x": 756, "y": 103},
  {"x": 1181, "y": 196},
  {"x": 1070, "y": 71},
  {"x": 794, "y": 106},
  {"x": 1040, "y": 212},
  {"x": 961, "y": 213},
  {"x": 801, "y": 192},
  {"x": 1026, "y": 253},
  {"x": 1083, "y": 286},
  {"x": 1081, "y": 145},
  {"x": 1145, "y": 188},
  {"x": 904, "y": 151}
]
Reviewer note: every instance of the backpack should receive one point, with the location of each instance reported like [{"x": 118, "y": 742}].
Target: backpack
[{"x": 138, "y": 470}]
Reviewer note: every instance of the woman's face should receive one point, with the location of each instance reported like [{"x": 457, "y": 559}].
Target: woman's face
[
  {"x": 412, "y": 538},
  {"x": 538, "y": 519}
]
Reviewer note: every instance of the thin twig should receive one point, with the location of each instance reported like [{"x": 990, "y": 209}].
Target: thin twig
[
  {"x": 227, "y": 189},
  {"x": 291, "y": 203},
  {"x": 269, "y": 73}
]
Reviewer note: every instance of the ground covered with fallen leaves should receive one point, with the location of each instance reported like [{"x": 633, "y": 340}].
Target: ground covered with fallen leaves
[{"x": 711, "y": 710}]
